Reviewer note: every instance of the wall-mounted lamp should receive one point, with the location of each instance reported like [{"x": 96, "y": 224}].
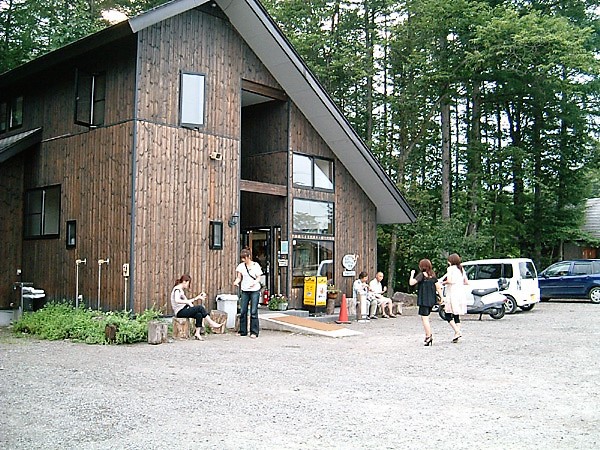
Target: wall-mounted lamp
[{"x": 234, "y": 219}]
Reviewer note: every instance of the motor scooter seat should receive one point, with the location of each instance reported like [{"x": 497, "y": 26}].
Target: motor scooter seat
[{"x": 482, "y": 292}]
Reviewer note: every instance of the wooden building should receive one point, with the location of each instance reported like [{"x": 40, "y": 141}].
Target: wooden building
[{"x": 166, "y": 143}]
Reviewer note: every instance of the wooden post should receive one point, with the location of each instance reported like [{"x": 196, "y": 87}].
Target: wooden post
[
  {"x": 181, "y": 328},
  {"x": 157, "y": 332},
  {"x": 219, "y": 317}
]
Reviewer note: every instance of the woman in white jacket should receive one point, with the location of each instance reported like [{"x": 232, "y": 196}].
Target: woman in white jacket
[{"x": 455, "y": 303}]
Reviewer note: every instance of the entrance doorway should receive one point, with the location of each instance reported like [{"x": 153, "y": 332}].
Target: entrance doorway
[{"x": 264, "y": 242}]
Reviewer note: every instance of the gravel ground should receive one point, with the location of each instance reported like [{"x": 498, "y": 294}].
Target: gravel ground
[{"x": 529, "y": 380}]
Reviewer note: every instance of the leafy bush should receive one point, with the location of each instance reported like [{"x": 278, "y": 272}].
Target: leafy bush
[{"x": 63, "y": 321}]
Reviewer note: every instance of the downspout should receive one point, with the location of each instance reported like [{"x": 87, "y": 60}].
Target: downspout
[{"x": 133, "y": 176}]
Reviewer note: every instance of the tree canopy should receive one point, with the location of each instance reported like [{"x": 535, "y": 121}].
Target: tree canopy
[{"x": 484, "y": 113}]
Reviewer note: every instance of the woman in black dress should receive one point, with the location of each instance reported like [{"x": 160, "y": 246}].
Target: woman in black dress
[{"x": 426, "y": 294}]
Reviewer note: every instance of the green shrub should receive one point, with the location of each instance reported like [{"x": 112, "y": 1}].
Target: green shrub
[{"x": 63, "y": 321}]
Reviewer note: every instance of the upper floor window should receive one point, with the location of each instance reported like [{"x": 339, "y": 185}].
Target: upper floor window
[
  {"x": 191, "y": 101},
  {"x": 312, "y": 172},
  {"x": 11, "y": 114},
  {"x": 90, "y": 98},
  {"x": 42, "y": 212},
  {"x": 313, "y": 217}
]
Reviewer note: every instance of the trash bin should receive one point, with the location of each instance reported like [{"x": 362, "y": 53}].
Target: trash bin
[{"x": 228, "y": 303}]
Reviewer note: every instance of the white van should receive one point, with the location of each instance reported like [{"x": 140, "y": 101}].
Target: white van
[{"x": 523, "y": 290}]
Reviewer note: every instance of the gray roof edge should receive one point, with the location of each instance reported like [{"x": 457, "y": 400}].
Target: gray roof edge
[{"x": 162, "y": 12}]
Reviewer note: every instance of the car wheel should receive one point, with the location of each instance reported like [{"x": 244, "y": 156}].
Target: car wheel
[
  {"x": 595, "y": 295},
  {"x": 499, "y": 314},
  {"x": 527, "y": 307},
  {"x": 510, "y": 306}
]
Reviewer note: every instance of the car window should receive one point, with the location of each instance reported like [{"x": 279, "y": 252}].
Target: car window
[
  {"x": 582, "y": 268},
  {"x": 470, "y": 271},
  {"x": 558, "y": 270},
  {"x": 508, "y": 271},
  {"x": 486, "y": 272},
  {"x": 595, "y": 266},
  {"x": 527, "y": 270}
]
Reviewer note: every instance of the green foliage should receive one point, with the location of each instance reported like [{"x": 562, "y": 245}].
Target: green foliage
[{"x": 62, "y": 321}]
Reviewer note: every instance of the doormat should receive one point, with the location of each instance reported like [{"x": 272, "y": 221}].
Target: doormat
[{"x": 307, "y": 323}]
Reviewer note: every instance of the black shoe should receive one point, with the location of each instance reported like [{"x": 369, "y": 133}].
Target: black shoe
[
  {"x": 428, "y": 341},
  {"x": 373, "y": 317}
]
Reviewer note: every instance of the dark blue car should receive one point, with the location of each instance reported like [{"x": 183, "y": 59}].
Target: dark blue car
[{"x": 571, "y": 279}]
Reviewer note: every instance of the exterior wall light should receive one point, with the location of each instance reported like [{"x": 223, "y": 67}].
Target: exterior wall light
[{"x": 234, "y": 219}]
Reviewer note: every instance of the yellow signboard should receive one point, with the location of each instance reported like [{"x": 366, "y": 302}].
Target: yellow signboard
[{"x": 315, "y": 291}]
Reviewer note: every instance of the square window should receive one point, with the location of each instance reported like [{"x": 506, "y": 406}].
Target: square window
[
  {"x": 42, "y": 212},
  {"x": 313, "y": 217}
]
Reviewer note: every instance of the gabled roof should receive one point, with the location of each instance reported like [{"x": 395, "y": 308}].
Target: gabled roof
[
  {"x": 592, "y": 217},
  {"x": 265, "y": 38}
]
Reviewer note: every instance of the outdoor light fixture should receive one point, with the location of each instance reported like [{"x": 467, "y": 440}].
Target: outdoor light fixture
[{"x": 234, "y": 219}]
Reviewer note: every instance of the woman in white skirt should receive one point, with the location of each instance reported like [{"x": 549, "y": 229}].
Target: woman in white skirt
[{"x": 455, "y": 303}]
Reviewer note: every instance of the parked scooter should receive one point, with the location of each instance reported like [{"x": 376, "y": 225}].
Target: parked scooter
[{"x": 484, "y": 301}]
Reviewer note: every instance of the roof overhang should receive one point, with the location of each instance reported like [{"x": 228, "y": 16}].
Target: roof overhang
[{"x": 15, "y": 144}]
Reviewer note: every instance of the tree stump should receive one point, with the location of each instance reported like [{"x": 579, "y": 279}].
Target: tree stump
[
  {"x": 237, "y": 322},
  {"x": 181, "y": 328},
  {"x": 397, "y": 308},
  {"x": 110, "y": 332},
  {"x": 157, "y": 332},
  {"x": 352, "y": 301},
  {"x": 219, "y": 317}
]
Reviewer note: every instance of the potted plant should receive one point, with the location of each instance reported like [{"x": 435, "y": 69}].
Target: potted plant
[{"x": 278, "y": 302}]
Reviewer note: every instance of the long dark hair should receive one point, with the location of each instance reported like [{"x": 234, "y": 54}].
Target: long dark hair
[
  {"x": 426, "y": 267},
  {"x": 455, "y": 260},
  {"x": 182, "y": 278}
]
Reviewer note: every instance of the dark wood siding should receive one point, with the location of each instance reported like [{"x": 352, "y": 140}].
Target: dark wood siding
[
  {"x": 11, "y": 228},
  {"x": 93, "y": 169},
  {"x": 98, "y": 199}
]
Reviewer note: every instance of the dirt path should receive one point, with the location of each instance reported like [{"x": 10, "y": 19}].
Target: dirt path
[{"x": 529, "y": 380}]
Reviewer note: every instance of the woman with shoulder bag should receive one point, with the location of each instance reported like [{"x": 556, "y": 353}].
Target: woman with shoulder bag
[{"x": 248, "y": 275}]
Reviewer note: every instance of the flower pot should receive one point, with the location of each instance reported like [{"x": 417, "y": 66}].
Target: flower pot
[{"x": 283, "y": 306}]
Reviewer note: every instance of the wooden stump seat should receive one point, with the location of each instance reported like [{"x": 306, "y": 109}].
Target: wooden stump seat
[
  {"x": 182, "y": 328},
  {"x": 157, "y": 332}
]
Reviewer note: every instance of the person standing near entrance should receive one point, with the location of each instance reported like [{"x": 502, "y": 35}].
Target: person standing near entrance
[{"x": 248, "y": 275}]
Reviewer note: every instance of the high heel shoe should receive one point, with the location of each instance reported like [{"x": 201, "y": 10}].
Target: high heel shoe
[
  {"x": 456, "y": 337},
  {"x": 219, "y": 328},
  {"x": 428, "y": 341}
]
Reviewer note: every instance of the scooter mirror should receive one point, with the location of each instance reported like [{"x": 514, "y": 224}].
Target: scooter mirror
[{"x": 503, "y": 284}]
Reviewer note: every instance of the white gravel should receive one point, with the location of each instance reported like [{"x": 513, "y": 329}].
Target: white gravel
[{"x": 529, "y": 380}]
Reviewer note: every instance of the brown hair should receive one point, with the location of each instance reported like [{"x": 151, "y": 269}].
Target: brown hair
[
  {"x": 245, "y": 252},
  {"x": 362, "y": 275},
  {"x": 182, "y": 278},
  {"x": 426, "y": 267},
  {"x": 455, "y": 260}
]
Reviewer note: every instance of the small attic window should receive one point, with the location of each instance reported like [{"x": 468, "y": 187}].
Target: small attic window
[{"x": 191, "y": 101}]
